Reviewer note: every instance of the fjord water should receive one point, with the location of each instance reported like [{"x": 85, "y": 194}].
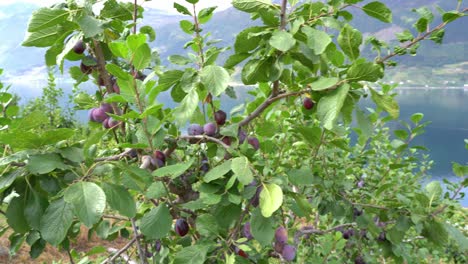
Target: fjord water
[{"x": 447, "y": 109}]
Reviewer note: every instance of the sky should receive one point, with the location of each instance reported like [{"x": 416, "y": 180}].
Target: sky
[{"x": 166, "y": 5}]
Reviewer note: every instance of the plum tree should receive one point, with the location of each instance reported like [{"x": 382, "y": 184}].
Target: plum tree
[{"x": 308, "y": 176}]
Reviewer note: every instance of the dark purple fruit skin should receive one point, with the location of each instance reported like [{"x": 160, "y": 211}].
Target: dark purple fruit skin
[
  {"x": 98, "y": 115},
  {"x": 241, "y": 253},
  {"x": 256, "y": 198},
  {"x": 360, "y": 184},
  {"x": 227, "y": 141},
  {"x": 149, "y": 254},
  {"x": 348, "y": 233},
  {"x": 289, "y": 253},
  {"x": 209, "y": 129},
  {"x": 79, "y": 47},
  {"x": 160, "y": 155},
  {"x": 91, "y": 115},
  {"x": 220, "y": 117},
  {"x": 86, "y": 69},
  {"x": 205, "y": 167},
  {"x": 157, "y": 163},
  {"x": 382, "y": 237},
  {"x": 242, "y": 136},
  {"x": 253, "y": 141},
  {"x": 359, "y": 260},
  {"x": 357, "y": 212},
  {"x": 157, "y": 246},
  {"x": 116, "y": 88},
  {"x": 195, "y": 130},
  {"x": 107, "y": 108},
  {"x": 181, "y": 227},
  {"x": 279, "y": 247},
  {"x": 281, "y": 235},
  {"x": 110, "y": 123},
  {"x": 246, "y": 231},
  {"x": 308, "y": 103}
]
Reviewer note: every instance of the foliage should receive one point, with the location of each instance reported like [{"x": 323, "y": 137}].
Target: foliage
[{"x": 344, "y": 191}]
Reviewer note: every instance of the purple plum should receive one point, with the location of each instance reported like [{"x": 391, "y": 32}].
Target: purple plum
[
  {"x": 209, "y": 129},
  {"x": 253, "y": 141},
  {"x": 281, "y": 235},
  {"x": 308, "y": 103},
  {"x": 79, "y": 47},
  {"x": 289, "y": 253},
  {"x": 181, "y": 227},
  {"x": 220, "y": 117},
  {"x": 195, "y": 130}
]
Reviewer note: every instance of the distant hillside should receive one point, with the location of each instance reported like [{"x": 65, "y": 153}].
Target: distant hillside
[{"x": 24, "y": 66}]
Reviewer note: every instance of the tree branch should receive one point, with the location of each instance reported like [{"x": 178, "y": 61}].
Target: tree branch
[
  {"x": 124, "y": 154},
  {"x": 204, "y": 138},
  {"x": 143, "y": 259},
  {"x": 118, "y": 253},
  {"x": 455, "y": 194}
]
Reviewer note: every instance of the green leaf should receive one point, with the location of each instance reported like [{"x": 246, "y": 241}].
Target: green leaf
[
  {"x": 317, "y": 40},
  {"x": 173, "y": 171},
  {"x": 215, "y": 79},
  {"x": 134, "y": 41},
  {"x": 329, "y": 106},
  {"x": 235, "y": 59},
  {"x": 241, "y": 169},
  {"x": 378, "y": 10},
  {"x": 34, "y": 208},
  {"x": 365, "y": 71},
  {"x": 120, "y": 199},
  {"x": 310, "y": 134},
  {"x": 73, "y": 154},
  {"x": 90, "y": 26},
  {"x": 349, "y": 40},
  {"x": 324, "y": 83},
  {"x": 271, "y": 198},
  {"x": 45, "y": 163},
  {"x": 282, "y": 40},
  {"x": 251, "y": 6},
  {"x": 142, "y": 57},
  {"x": 88, "y": 200},
  {"x": 15, "y": 215},
  {"x": 248, "y": 39},
  {"x": 156, "y": 190},
  {"x": 149, "y": 31},
  {"x": 386, "y": 102},
  {"x": 459, "y": 170},
  {"x": 179, "y": 60},
  {"x": 417, "y": 117},
  {"x": 207, "y": 225},
  {"x": 456, "y": 235},
  {"x": 218, "y": 171},
  {"x": 191, "y": 255},
  {"x": 262, "y": 228},
  {"x": 169, "y": 79},
  {"x": 46, "y": 17},
  {"x": 56, "y": 221},
  {"x": 156, "y": 223},
  {"x": 301, "y": 177},
  {"x": 186, "y": 26},
  {"x": 43, "y": 38},
  {"x": 205, "y": 14},
  {"x": 187, "y": 107},
  {"x": 119, "y": 49},
  {"x": 434, "y": 190},
  {"x": 182, "y": 9},
  {"x": 7, "y": 179},
  {"x": 435, "y": 232}
]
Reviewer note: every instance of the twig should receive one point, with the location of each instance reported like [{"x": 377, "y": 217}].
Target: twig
[
  {"x": 70, "y": 256},
  {"x": 455, "y": 194},
  {"x": 115, "y": 217},
  {"x": 137, "y": 240},
  {"x": 206, "y": 138},
  {"x": 115, "y": 157},
  {"x": 118, "y": 253}
]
